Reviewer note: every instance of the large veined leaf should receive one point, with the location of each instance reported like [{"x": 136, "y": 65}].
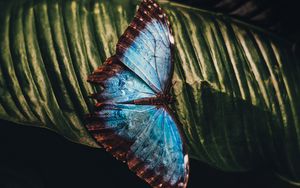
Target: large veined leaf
[
  {"x": 260, "y": 12},
  {"x": 279, "y": 17},
  {"x": 236, "y": 86}
]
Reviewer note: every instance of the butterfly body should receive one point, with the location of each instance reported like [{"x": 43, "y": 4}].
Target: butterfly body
[
  {"x": 159, "y": 100},
  {"x": 132, "y": 119}
]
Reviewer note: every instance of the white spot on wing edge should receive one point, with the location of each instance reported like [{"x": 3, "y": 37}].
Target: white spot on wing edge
[
  {"x": 186, "y": 159},
  {"x": 171, "y": 38}
]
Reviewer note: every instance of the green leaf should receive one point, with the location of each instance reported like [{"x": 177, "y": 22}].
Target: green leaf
[{"x": 236, "y": 86}]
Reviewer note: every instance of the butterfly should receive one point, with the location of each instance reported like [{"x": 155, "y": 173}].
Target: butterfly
[{"x": 132, "y": 119}]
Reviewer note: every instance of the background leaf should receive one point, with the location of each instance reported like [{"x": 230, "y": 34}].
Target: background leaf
[
  {"x": 237, "y": 91},
  {"x": 275, "y": 15}
]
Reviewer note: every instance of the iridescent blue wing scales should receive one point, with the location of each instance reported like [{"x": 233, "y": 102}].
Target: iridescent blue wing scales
[
  {"x": 158, "y": 154},
  {"x": 116, "y": 127},
  {"x": 118, "y": 84},
  {"x": 146, "y": 46},
  {"x": 146, "y": 137}
]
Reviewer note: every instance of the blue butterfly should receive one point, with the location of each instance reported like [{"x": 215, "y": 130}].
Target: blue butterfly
[{"x": 132, "y": 119}]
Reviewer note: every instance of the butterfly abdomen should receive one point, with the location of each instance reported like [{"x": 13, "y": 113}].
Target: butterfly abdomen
[{"x": 159, "y": 99}]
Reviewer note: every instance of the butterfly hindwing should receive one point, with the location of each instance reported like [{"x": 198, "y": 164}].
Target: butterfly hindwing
[
  {"x": 158, "y": 155},
  {"x": 147, "y": 138},
  {"x": 116, "y": 127},
  {"x": 146, "y": 46}
]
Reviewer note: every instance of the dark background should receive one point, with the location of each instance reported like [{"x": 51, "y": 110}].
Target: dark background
[
  {"x": 278, "y": 16},
  {"x": 33, "y": 157},
  {"x": 38, "y": 158}
]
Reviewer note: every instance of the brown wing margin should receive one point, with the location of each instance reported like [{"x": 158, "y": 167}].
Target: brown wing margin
[
  {"x": 157, "y": 181},
  {"x": 103, "y": 135},
  {"x": 147, "y": 11},
  {"x": 110, "y": 67}
]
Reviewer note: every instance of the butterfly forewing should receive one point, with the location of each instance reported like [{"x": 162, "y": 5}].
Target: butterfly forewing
[{"x": 146, "y": 46}]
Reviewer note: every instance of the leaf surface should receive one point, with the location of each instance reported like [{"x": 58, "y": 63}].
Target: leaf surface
[{"x": 236, "y": 86}]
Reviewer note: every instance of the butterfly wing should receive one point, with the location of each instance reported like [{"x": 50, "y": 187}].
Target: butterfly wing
[
  {"x": 146, "y": 46},
  {"x": 147, "y": 138},
  {"x": 144, "y": 136},
  {"x": 118, "y": 84}
]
